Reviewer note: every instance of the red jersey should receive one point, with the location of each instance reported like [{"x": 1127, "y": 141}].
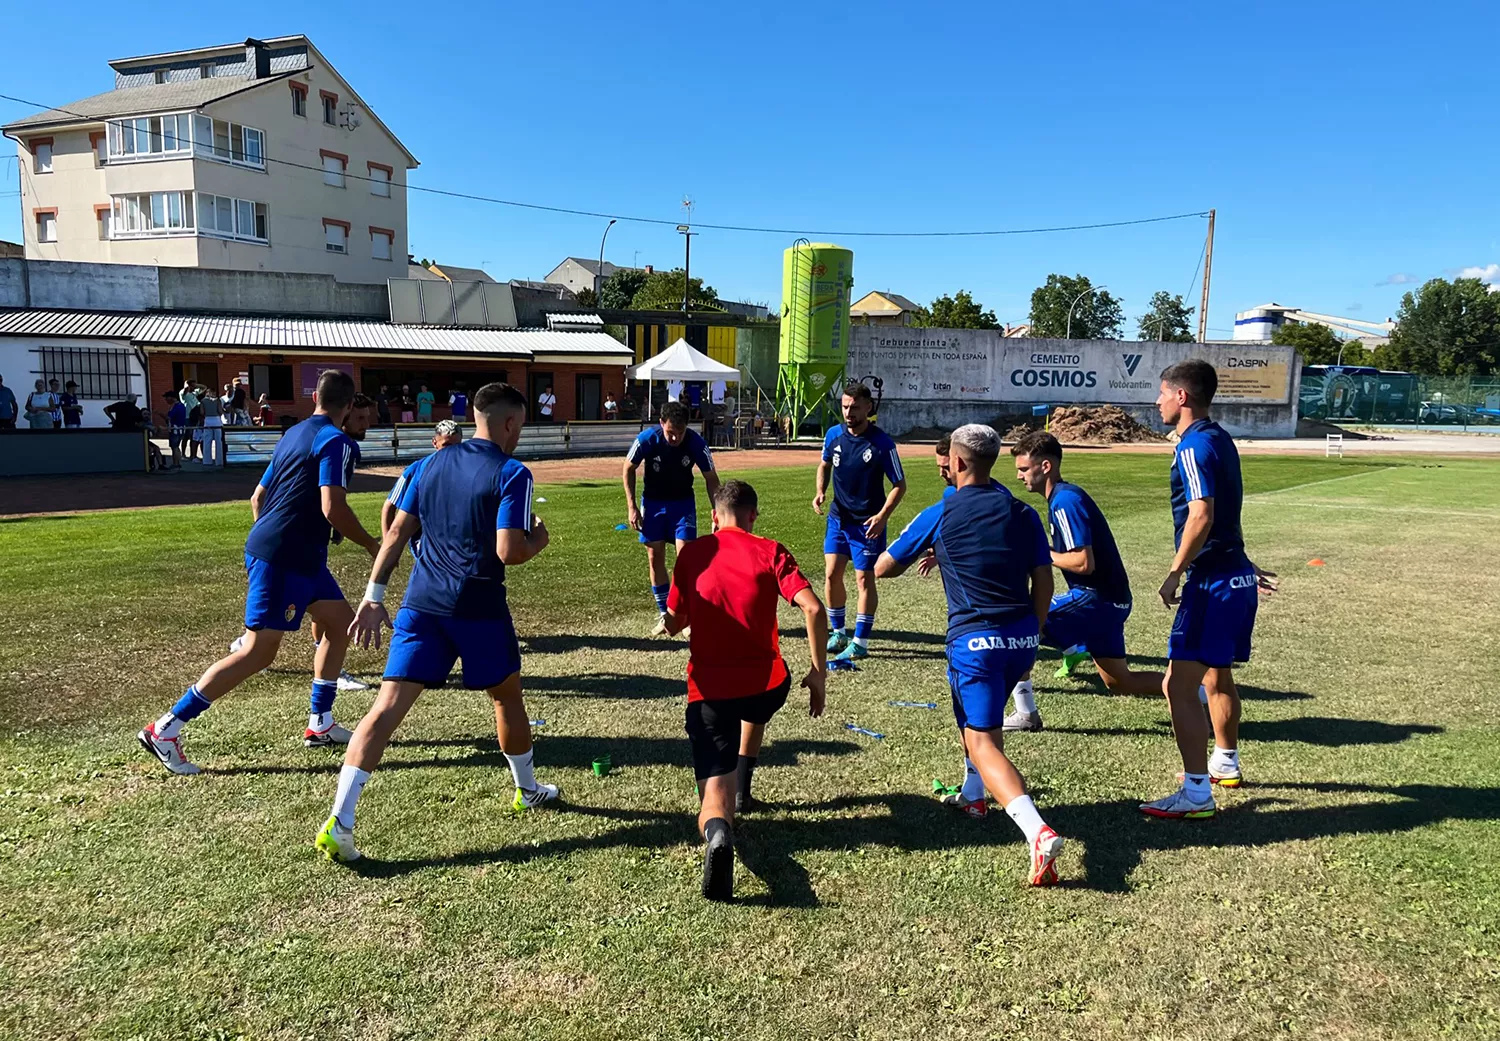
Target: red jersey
[{"x": 725, "y": 586}]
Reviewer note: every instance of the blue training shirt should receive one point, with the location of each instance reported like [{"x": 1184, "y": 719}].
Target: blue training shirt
[
  {"x": 1207, "y": 466},
  {"x": 669, "y": 467},
  {"x": 291, "y": 531},
  {"x": 1077, "y": 522},
  {"x": 463, "y": 495},
  {"x": 861, "y": 465},
  {"x": 394, "y": 499},
  {"x": 988, "y": 542}
]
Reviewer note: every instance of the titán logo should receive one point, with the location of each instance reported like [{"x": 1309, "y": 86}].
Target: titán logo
[{"x": 1131, "y": 362}]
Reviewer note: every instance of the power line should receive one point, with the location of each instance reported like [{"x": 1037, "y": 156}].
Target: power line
[{"x": 673, "y": 223}]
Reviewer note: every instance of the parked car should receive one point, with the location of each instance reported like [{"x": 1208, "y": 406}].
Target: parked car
[{"x": 1436, "y": 412}]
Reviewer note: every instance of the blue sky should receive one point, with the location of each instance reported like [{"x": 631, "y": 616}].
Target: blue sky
[{"x": 1346, "y": 147}]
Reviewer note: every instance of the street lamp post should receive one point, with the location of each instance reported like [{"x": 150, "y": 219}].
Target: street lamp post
[
  {"x": 1341, "y": 352},
  {"x": 687, "y": 262},
  {"x": 599, "y": 274},
  {"x": 1091, "y": 289}
]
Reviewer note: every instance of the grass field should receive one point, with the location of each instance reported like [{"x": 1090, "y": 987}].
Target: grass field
[{"x": 1350, "y": 890}]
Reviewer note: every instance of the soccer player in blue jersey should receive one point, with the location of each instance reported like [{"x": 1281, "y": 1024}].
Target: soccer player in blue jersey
[
  {"x": 1093, "y": 611},
  {"x": 299, "y": 501},
  {"x": 860, "y": 458},
  {"x": 1217, "y": 599},
  {"x": 445, "y": 433},
  {"x": 667, "y": 509},
  {"x": 472, "y": 503},
  {"x": 997, "y": 575}
]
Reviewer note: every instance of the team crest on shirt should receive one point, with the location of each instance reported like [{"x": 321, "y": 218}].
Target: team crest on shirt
[
  {"x": 291, "y": 612},
  {"x": 656, "y": 464},
  {"x": 869, "y": 454},
  {"x": 686, "y": 461},
  {"x": 837, "y": 454}
]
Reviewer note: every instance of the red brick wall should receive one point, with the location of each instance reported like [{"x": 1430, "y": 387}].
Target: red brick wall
[{"x": 230, "y": 365}]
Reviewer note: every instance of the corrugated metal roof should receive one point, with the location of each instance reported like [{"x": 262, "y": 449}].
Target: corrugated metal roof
[
  {"x": 116, "y": 325},
  {"x": 576, "y": 319},
  {"x": 142, "y": 101},
  {"x": 365, "y": 337}
]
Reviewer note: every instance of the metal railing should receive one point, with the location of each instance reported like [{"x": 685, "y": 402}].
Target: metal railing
[{"x": 405, "y": 442}]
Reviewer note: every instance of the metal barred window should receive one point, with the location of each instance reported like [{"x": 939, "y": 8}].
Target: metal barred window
[{"x": 100, "y": 372}]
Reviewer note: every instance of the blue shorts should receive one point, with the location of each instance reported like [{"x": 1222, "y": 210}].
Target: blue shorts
[
  {"x": 669, "y": 521},
  {"x": 425, "y": 646},
  {"x": 1214, "y": 620},
  {"x": 847, "y": 539},
  {"x": 1080, "y": 616},
  {"x": 983, "y": 667},
  {"x": 277, "y": 598}
]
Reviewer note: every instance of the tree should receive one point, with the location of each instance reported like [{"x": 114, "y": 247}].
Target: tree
[
  {"x": 959, "y": 311},
  {"x": 1096, "y": 315},
  {"x": 1318, "y": 344},
  {"x": 619, "y": 289},
  {"x": 1447, "y": 329},
  {"x": 1168, "y": 319},
  {"x": 662, "y": 291},
  {"x": 585, "y": 297}
]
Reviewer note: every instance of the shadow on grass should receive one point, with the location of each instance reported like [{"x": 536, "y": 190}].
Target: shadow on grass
[
  {"x": 568, "y": 643},
  {"x": 609, "y": 685},
  {"x": 1114, "y": 834},
  {"x": 1310, "y": 730}
]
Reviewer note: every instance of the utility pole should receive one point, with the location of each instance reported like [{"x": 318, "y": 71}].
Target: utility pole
[
  {"x": 1208, "y": 268},
  {"x": 687, "y": 263}
]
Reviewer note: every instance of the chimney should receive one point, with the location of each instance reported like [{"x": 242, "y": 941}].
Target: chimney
[
  {"x": 649, "y": 269},
  {"x": 258, "y": 59}
]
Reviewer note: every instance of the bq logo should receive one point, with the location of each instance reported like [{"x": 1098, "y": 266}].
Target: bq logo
[{"x": 1131, "y": 362}]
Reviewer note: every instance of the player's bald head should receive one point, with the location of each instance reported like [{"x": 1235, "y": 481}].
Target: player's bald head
[{"x": 978, "y": 446}]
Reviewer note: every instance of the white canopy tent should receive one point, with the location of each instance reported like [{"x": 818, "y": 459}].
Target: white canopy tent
[{"x": 682, "y": 362}]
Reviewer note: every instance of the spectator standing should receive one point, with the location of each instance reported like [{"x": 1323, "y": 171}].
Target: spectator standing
[
  {"x": 382, "y": 406},
  {"x": 425, "y": 401},
  {"x": 611, "y": 406},
  {"x": 125, "y": 414},
  {"x": 72, "y": 411},
  {"x": 695, "y": 400},
  {"x": 264, "y": 408},
  {"x": 546, "y": 402},
  {"x": 459, "y": 403},
  {"x": 177, "y": 431},
  {"x": 405, "y": 405},
  {"x": 192, "y": 399},
  {"x": 238, "y": 399},
  {"x": 55, "y": 389},
  {"x": 8, "y": 407},
  {"x": 213, "y": 430},
  {"x": 674, "y": 390},
  {"x": 39, "y": 408}
]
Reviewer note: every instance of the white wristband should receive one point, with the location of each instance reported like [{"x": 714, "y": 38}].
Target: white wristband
[{"x": 375, "y": 592}]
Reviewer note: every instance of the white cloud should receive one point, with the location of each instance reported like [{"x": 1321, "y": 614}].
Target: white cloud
[
  {"x": 1489, "y": 275},
  {"x": 1400, "y": 278}
]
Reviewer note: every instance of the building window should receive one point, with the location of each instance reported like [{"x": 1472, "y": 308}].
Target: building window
[
  {"x": 206, "y": 70},
  {"x": 330, "y": 108},
  {"x": 335, "y": 235},
  {"x": 380, "y": 243},
  {"x": 41, "y": 154},
  {"x": 205, "y": 373},
  {"x": 102, "y": 215},
  {"x": 219, "y": 216},
  {"x": 299, "y": 100},
  {"x": 228, "y": 142},
  {"x": 380, "y": 180},
  {"x": 99, "y": 142},
  {"x": 334, "y": 165},
  {"x": 274, "y": 381},
  {"x": 151, "y": 213},
  {"x": 151, "y": 137},
  {"x": 160, "y": 75},
  {"x": 102, "y": 373},
  {"x": 46, "y": 225}
]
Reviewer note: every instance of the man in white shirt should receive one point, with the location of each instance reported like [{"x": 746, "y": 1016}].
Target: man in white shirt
[
  {"x": 674, "y": 390},
  {"x": 546, "y": 402}
]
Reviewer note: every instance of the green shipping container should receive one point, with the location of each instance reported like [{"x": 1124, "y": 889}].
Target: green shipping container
[{"x": 815, "y": 284}]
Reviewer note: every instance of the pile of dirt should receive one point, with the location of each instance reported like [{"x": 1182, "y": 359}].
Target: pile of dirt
[{"x": 1088, "y": 425}]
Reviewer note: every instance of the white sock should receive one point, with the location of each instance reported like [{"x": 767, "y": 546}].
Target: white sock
[
  {"x": 973, "y": 787},
  {"x": 1202, "y": 694},
  {"x": 168, "y": 726},
  {"x": 1025, "y": 696},
  {"x": 1023, "y": 811},
  {"x": 319, "y": 721},
  {"x": 1197, "y": 786},
  {"x": 1225, "y": 757},
  {"x": 521, "y": 770},
  {"x": 860, "y": 641},
  {"x": 351, "y": 782}
]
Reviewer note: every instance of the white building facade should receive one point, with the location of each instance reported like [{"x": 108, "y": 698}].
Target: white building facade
[{"x": 254, "y": 157}]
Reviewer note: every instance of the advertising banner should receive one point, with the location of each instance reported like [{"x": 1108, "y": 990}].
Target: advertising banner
[{"x": 982, "y": 365}]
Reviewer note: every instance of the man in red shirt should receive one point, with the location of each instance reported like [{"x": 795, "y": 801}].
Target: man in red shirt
[{"x": 726, "y": 587}]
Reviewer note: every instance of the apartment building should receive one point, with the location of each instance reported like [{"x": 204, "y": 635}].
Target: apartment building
[{"x": 255, "y": 157}]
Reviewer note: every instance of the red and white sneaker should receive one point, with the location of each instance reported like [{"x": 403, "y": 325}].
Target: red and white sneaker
[
  {"x": 332, "y": 735},
  {"x": 979, "y": 808},
  {"x": 1044, "y": 854},
  {"x": 167, "y": 750}
]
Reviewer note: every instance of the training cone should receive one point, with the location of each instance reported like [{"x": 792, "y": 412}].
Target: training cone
[{"x": 1316, "y": 562}]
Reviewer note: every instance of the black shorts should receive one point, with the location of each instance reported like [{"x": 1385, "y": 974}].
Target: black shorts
[{"x": 713, "y": 728}]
